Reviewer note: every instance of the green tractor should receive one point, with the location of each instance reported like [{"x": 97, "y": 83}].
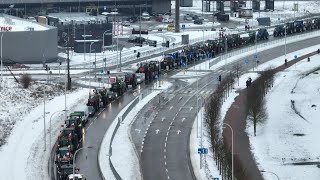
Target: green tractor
[
  {"x": 119, "y": 86},
  {"x": 79, "y": 116},
  {"x": 63, "y": 156},
  {"x": 66, "y": 170},
  {"x": 71, "y": 135},
  {"x": 103, "y": 96}
]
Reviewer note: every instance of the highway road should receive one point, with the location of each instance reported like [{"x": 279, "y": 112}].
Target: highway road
[{"x": 164, "y": 150}]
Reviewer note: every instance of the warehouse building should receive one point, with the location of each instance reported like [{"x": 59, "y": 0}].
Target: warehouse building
[{"x": 25, "y": 41}]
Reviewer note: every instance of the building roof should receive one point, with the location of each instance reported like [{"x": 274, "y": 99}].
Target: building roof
[{"x": 12, "y": 23}]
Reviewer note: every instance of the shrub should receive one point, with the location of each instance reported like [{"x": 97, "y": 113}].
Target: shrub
[{"x": 25, "y": 80}]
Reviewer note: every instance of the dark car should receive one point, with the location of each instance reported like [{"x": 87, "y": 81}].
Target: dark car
[
  {"x": 132, "y": 19},
  {"x": 198, "y": 21},
  {"x": 135, "y": 39}
]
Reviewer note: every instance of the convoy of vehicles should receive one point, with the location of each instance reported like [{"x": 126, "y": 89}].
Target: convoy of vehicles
[{"x": 70, "y": 138}]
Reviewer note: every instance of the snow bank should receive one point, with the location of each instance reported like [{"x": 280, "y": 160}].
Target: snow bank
[{"x": 26, "y": 156}]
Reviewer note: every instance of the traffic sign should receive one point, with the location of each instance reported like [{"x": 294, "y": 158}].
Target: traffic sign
[
  {"x": 183, "y": 26},
  {"x": 246, "y": 61},
  {"x": 255, "y": 56},
  {"x": 202, "y": 150},
  {"x": 215, "y": 178}
]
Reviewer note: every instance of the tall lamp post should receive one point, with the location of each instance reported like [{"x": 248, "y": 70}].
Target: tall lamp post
[
  {"x": 231, "y": 149},
  {"x": 103, "y": 39},
  {"x": 89, "y": 69},
  {"x": 271, "y": 173},
  {"x": 50, "y": 123},
  {"x": 1, "y": 87},
  {"x": 74, "y": 158}
]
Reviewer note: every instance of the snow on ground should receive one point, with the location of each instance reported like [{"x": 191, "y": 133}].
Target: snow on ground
[
  {"x": 283, "y": 123},
  {"x": 24, "y": 154},
  {"x": 18, "y": 24},
  {"x": 124, "y": 157}
]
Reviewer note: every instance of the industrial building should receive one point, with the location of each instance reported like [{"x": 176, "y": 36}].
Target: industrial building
[
  {"x": 25, "y": 41},
  {"x": 44, "y": 7}
]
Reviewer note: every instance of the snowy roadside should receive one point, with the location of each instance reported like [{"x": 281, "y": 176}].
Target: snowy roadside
[
  {"x": 25, "y": 154},
  {"x": 296, "y": 137}
]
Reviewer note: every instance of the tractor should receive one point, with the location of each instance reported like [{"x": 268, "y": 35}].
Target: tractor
[
  {"x": 71, "y": 135},
  {"x": 130, "y": 80},
  {"x": 94, "y": 101},
  {"x": 63, "y": 156},
  {"x": 279, "y": 30},
  {"x": 65, "y": 171},
  {"x": 79, "y": 116},
  {"x": 298, "y": 26},
  {"x": 316, "y": 23},
  {"x": 119, "y": 86},
  {"x": 308, "y": 24},
  {"x": 103, "y": 96},
  {"x": 262, "y": 34},
  {"x": 290, "y": 27}
]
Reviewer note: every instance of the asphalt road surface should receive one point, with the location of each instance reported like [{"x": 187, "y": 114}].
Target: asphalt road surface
[{"x": 164, "y": 151}]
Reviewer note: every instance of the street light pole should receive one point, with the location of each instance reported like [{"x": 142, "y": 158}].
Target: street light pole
[
  {"x": 271, "y": 173},
  {"x": 1, "y": 85},
  {"x": 231, "y": 149},
  {"x": 50, "y": 124},
  {"x": 90, "y": 69},
  {"x": 74, "y": 159}
]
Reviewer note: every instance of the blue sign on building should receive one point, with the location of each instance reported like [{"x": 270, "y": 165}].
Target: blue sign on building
[
  {"x": 215, "y": 178},
  {"x": 183, "y": 26}
]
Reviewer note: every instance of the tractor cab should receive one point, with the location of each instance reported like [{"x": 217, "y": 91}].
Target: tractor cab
[
  {"x": 64, "y": 141},
  {"x": 65, "y": 171},
  {"x": 290, "y": 27},
  {"x": 279, "y": 30},
  {"x": 64, "y": 156},
  {"x": 262, "y": 34},
  {"x": 298, "y": 26},
  {"x": 71, "y": 134},
  {"x": 79, "y": 116},
  {"x": 130, "y": 80}
]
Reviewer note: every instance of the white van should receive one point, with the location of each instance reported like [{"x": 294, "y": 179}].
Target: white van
[
  {"x": 83, "y": 109},
  {"x": 145, "y": 16},
  {"x": 140, "y": 77}
]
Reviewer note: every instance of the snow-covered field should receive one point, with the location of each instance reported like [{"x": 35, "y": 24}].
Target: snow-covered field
[
  {"x": 22, "y": 127},
  {"x": 296, "y": 136}
]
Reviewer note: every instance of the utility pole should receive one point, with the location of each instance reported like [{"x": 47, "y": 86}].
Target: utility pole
[
  {"x": 177, "y": 16},
  {"x": 68, "y": 60}
]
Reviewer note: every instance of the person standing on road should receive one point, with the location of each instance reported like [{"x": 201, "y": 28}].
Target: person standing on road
[{"x": 286, "y": 62}]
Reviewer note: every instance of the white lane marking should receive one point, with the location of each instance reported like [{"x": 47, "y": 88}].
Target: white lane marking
[
  {"x": 138, "y": 130},
  {"x": 164, "y": 150},
  {"x": 165, "y": 156},
  {"x": 208, "y": 92},
  {"x": 163, "y": 119},
  {"x": 178, "y": 132},
  {"x": 142, "y": 142},
  {"x": 165, "y": 144},
  {"x": 157, "y": 131},
  {"x": 171, "y": 123},
  {"x": 191, "y": 108},
  {"x": 166, "y": 139},
  {"x": 183, "y": 119},
  {"x": 166, "y": 170},
  {"x": 141, "y": 150},
  {"x": 167, "y": 133},
  {"x": 165, "y": 163},
  {"x": 169, "y": 128},
  {"x": 168, "y": 177},
  {"x": 145, "y": 132},
  {"x": 170, "y": 107}
]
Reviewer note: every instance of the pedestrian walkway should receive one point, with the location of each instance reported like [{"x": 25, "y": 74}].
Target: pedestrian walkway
[{"x": 236, "y": 117}]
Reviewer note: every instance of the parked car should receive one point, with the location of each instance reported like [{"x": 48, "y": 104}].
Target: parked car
[
  {"x": 145, "y": 16},
  {"x": 135, "y": 39},
  {"x": 125, "y": 23},
  {"x": 187, "y": 18},
  {"x": 171, "y": 27},
  {"x": 168, "y": 20},
  {"x": 197, "y": 21}
]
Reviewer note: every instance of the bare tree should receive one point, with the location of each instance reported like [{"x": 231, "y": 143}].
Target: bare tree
[
  {"x": 237, "y": 67},
  {"x": 256, "y": 104}
]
